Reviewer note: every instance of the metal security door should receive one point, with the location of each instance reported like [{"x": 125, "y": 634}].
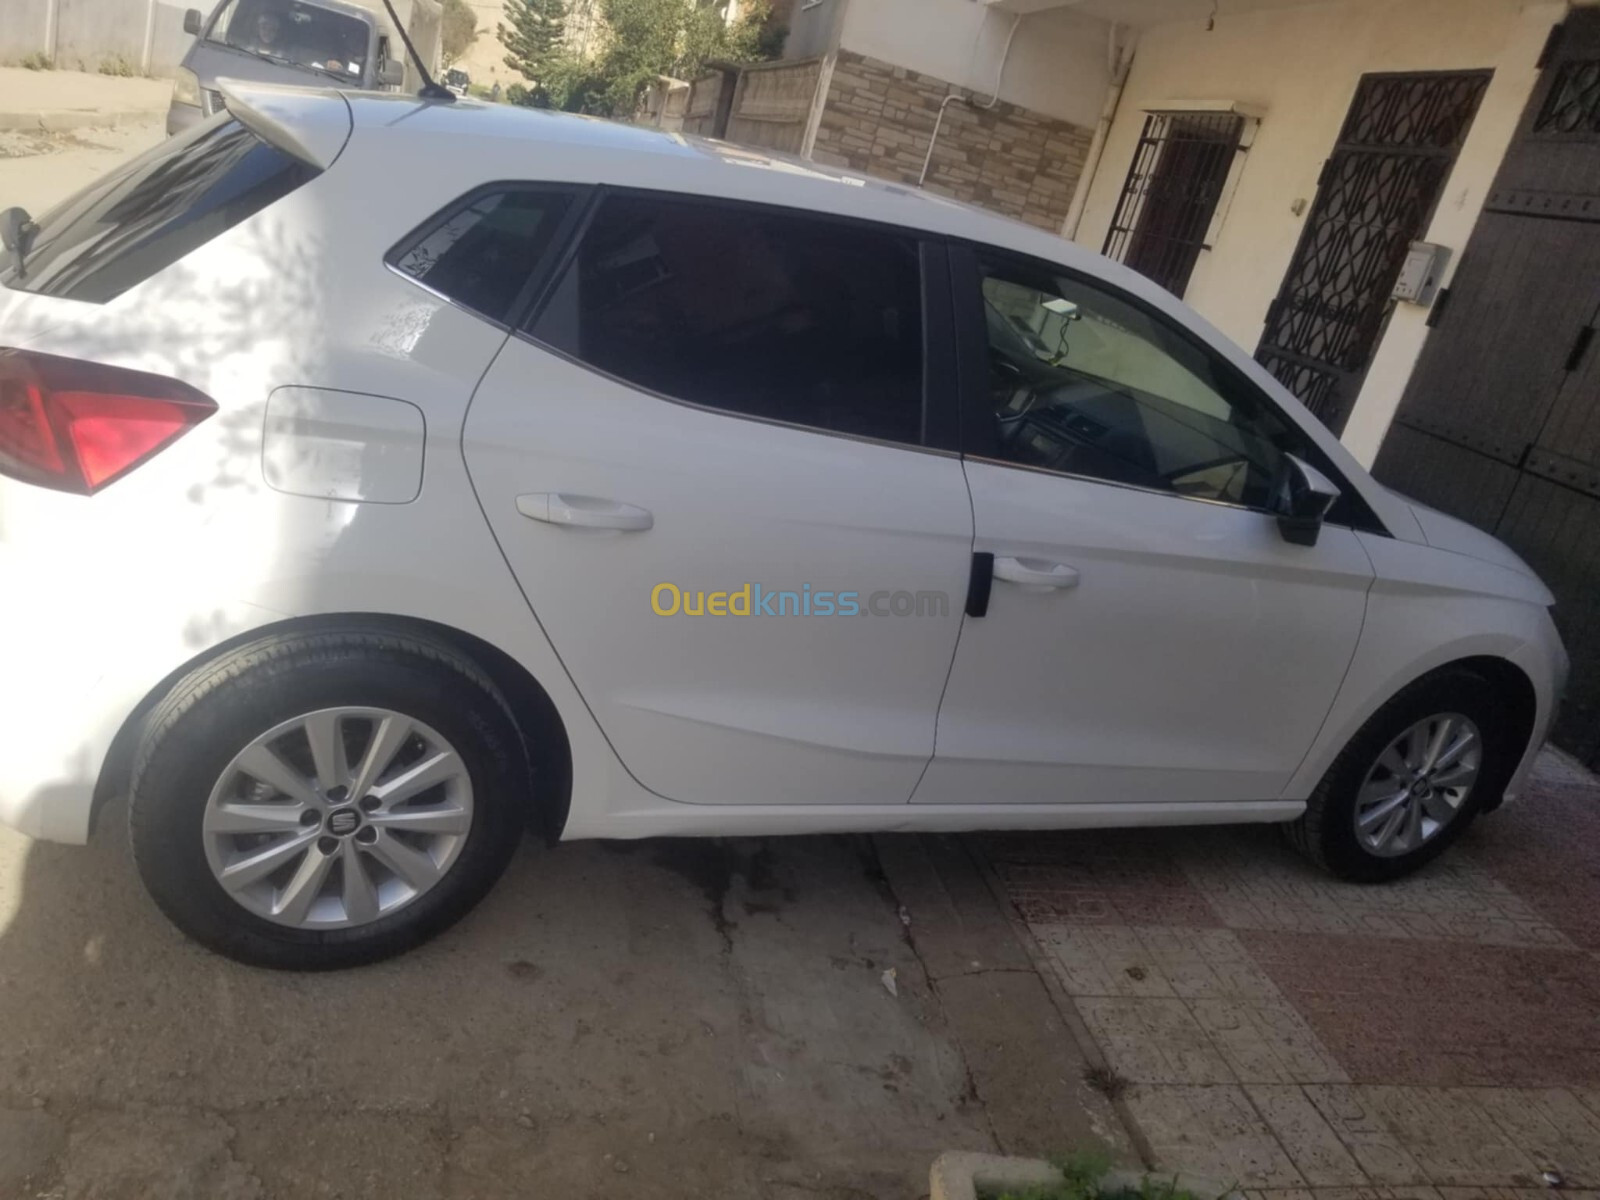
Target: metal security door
[
  {"x": 1374, "y": 198},
  {"x": 1500, "y": 424}
]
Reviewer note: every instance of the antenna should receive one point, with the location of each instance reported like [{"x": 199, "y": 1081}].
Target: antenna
[{"x": 430, "y": 89}]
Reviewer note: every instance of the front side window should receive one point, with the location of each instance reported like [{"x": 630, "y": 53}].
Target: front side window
[
  {"x": 294, "y": 33},
  {"x": 751, "y": 310},
  {"x": 1087, "y": 383},
  {"x": 145, "y": 216},
  {"x": 481, "y": 253}
]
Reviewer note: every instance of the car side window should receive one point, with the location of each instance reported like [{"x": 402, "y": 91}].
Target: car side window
[
  {"x": 751, "y": 310},
  {"x": 482, "y": 252},
  {"x": 1086, "y": 382}
]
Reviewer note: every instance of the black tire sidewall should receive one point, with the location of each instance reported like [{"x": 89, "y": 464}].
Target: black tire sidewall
[
  {"x": 183, "y": 764},
  {"x": 1456, "y": 691}
]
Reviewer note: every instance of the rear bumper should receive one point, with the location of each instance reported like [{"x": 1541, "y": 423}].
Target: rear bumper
[{"x": 52, "y": 715}]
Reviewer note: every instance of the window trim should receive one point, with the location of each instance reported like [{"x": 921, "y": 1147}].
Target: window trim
[
  {"x": 581, "y": 200},
  {"x": 941, "y": 410},
  {"x": 977, "y": 430}
]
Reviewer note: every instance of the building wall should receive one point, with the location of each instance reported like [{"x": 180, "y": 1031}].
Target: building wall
[
  {"x": 1301, "y": 66},
  {"x": 1057, "y": 65},
  {"x": 813, "y": 27},
  {"x": 878, "y": 118}
]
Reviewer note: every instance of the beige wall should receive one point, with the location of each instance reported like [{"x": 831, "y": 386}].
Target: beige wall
[
  {"x": 1301, "y": 67},
  {"x": 1057, "y": 65}
]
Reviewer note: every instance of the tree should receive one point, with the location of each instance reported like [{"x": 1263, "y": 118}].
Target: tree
[
  {"x": 533, "y": 45},
  {"x": 458, "y": 30},
  {"x": 647, "y": 38}
]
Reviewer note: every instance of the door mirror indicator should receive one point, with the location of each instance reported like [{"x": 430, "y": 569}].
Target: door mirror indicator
[{"x": 1302, "y": 500}]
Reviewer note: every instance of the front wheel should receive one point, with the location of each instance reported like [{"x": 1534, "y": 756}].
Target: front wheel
[
  {"x": 1410, "y": 781},
  {"x": 323, "y": 799}
]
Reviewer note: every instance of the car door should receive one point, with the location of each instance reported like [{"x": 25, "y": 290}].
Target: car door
[
  {"x": 705, "y": 454},
  {"x": 1150, "y": 636}
]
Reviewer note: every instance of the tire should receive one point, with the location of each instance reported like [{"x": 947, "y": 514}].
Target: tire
[
  {"x": 1326, "y": 832},
  {"x": 188, "y": 771}
]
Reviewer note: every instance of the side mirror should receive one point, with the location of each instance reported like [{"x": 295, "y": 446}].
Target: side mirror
[
  {"x": 193, "y": 21},
  {"x": 17, "y": 230},
  {"x": 391, "y": 74},
  {"x": 1302, "y": 499}
]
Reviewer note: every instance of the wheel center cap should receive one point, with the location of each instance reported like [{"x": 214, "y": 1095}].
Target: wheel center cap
[
  {"x": 1422, "y": 789},
  {"x": 342, "y": 822}
]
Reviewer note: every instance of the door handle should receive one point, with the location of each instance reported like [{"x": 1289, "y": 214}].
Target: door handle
[
  {"x": 586, "y": 512},
  {"x": 1035, "y": 573}
]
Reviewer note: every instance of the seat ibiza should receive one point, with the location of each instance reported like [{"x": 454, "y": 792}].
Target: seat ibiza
[{"x": 382, "y": 476}]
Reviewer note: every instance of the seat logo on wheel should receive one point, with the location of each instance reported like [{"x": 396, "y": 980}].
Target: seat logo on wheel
[{"x": 343, "y": 821}]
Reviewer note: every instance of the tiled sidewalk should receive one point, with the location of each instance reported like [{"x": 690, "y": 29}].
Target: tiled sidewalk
[{"x": 1436, "y": 1039}]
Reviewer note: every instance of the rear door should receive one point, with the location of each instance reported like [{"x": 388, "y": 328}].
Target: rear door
[{"x": 719, "y": 459}]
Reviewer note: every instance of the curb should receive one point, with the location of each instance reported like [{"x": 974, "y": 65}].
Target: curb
[
  {"x": 59, "y": 120},
  {"x": 958, "y": 1175}
]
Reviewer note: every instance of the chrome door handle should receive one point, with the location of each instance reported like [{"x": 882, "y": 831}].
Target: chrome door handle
[
  {"x": 586, "y": 512},
  {"x": 1035, "y": 573}
]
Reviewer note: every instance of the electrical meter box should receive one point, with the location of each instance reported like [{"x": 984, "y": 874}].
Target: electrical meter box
[{"x": 1419, "y": 278}]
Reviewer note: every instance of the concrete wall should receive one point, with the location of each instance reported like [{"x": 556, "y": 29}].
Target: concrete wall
[
  {"x": 82, "y": 34},
  {"x": 813, "y": 27},
  {"x": 1057, "y": 65},
  {"x": 878, "y": 118},
  {"x": 1301, "y": 66}
]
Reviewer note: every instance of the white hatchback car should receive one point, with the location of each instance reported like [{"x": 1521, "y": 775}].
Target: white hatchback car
[{"x": 380, "y": 475}]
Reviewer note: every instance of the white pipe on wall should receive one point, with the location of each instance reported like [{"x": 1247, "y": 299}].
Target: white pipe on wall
[
  {"x": 994, "y": 98},
  {"x": 1121, "y": 61}
]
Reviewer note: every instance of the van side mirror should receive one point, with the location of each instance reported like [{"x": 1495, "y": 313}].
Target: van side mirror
[
  {"x": 391, "y": 74},
  {"x": 193, "y": 21},
  {"x": 1301, "y": 499}
]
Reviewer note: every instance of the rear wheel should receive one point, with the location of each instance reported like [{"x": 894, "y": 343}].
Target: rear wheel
[
  {"x": 1410, "y": 781},
  {"x": 325, "y": 799}
]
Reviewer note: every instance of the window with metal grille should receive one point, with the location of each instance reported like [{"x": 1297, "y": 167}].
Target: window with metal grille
[{"x": 1171, "y": 193}]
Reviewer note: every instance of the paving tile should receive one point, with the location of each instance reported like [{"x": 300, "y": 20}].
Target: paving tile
[
  {"x": 1102, "y": 960},
  {"x": 1552, "y": 1126},
  {"x": 1377, "y": 1193},
  {"x": 1101, "y": 877},
  {"x": 1442, "y": 1014},
  {"x": 1254, "y": 884},
  {"x": 1153, "y": 1040},
  {"x": 1266, "y": 1041},
  {"x": 1213, "y": 1132},
  {"x": 1365, "y": 1134},
  {"x": 1543, "y": 847},
  {"x": 1305, "y": 1135},
  {"x": 1452, "y": 1139}
]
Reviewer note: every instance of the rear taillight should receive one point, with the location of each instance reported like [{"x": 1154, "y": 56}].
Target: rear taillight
[{"x": 77, "y": 426}]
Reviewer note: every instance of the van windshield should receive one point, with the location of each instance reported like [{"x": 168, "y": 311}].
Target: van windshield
[{"x": 294, "y": 33}]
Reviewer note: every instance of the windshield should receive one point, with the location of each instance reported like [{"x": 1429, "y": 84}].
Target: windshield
[{"x": 294, "y": 33}]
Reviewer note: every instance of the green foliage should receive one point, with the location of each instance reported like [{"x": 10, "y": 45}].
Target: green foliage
[
  {"x": 517, "y": 94},
  {"x": 457, "y": 31},
  {"x": 641, "y": 39},
  {"x": 37, "y": 61},
  {"x": 533, "y": 46}
]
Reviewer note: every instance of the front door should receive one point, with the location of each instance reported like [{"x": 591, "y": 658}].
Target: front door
[
  {"x": 1149, "y": 637},
  {"x": 1500, "y": 423},
  {"x": 711, "y": 462},
  {"x": 1375, "y": 197}
]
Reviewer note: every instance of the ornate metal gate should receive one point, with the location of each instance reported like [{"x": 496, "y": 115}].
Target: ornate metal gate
[
  {"x": 1374, "y": 198},
  {"x": 1500, "y": 423}
]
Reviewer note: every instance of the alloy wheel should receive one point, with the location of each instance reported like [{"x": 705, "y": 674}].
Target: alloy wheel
[
  {"x": 338, "y": 817},
  {"x": 1418, "y": 785}
]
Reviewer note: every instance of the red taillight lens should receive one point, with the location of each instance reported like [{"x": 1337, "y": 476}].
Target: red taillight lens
[{"x": 78, "y": 426}]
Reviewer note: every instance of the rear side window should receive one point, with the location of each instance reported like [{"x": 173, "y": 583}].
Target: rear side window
[
  {"x": 481, "y": 253},
  {"x": 145, "y": 216},
  {"x": 757, "y": 311}
]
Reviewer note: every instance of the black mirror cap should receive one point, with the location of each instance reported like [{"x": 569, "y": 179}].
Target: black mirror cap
[
  {"x": 17, "y": 230},
  {"x": 193, "y": 21},
  {"x": 1304, "y": 496}
]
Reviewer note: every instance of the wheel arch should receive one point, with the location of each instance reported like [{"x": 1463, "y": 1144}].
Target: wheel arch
[{"x": 535, "y": 713}]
